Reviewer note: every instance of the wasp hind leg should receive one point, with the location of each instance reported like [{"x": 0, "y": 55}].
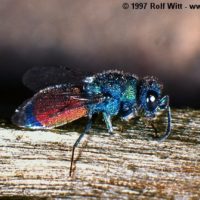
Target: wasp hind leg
[{"x": 87, "y": 128}]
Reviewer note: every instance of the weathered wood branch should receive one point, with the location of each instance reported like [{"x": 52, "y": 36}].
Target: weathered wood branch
[{"x": 129, "y": 164}]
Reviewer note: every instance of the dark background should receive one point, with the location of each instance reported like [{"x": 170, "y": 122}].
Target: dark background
[{"x": 96, "y": 35}]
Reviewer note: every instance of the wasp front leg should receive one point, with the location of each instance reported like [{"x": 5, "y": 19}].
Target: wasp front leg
[{"x": 155, "y": 129}]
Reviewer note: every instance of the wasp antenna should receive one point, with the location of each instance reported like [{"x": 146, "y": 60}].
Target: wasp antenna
[{"x": 168, "y": 131}]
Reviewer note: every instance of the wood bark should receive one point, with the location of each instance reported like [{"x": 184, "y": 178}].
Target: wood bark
[{"x": 129, "y": 164}]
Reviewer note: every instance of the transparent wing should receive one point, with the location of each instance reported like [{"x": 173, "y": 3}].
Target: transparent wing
[{"x": 38, "y": 78}]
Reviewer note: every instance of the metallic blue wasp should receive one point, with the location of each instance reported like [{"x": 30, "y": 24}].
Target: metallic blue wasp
[{"x": 110, "y": 93}]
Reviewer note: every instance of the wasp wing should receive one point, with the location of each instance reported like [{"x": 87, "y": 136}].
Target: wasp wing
[
  {"x": 38, "y": 78},
  {"x": 53, "y": 107}
]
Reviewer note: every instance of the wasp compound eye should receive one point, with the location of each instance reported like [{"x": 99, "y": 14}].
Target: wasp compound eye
[{"x": 151, "y": 100}]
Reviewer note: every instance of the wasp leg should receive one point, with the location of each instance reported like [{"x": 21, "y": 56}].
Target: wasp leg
[
  {"x": 155, "y": 129},
  {"x": 108, "y": 122},
  {"x": 168, "y": 131},
  {"x": 87, "y": 128}
]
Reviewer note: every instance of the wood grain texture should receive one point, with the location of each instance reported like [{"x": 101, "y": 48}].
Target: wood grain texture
[{"x": 126, "y": 165}]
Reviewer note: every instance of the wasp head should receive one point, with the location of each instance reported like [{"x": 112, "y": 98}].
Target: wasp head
[{"x": 150, "y": 99}]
